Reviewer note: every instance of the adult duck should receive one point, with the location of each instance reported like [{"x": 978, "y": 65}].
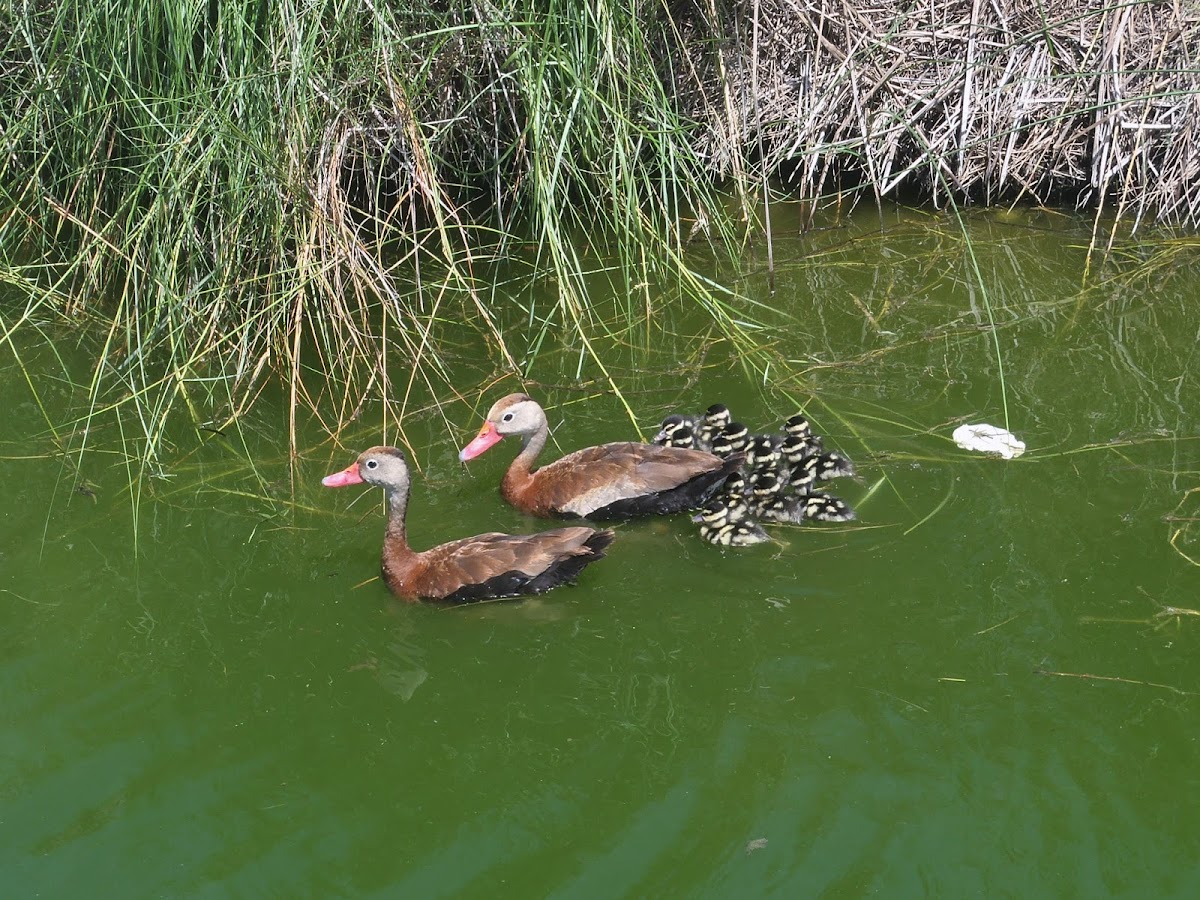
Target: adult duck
[
  {"x": 609, "y": 481},
  {"x": 484, "y": 567}
]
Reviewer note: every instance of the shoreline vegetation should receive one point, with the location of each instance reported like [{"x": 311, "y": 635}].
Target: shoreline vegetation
[{"x": 231, "y": 193}]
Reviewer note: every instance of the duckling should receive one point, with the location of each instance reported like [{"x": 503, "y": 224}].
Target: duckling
[
  {"x": 798, "y": 426},
  {"x": 834, "y": 465},
  {"x": 678, "y": 436},
  {"x": 823, "y": 467},
  {"x": 704, "y": 427},
  {"x": 735, "y": 487},
  {"x": 672, "y": 425},
  {"x": 794, "y": 449},
  {"x": 715, "y": 418},
  {"x": 762, "y": 454},
  {"x": 764, "y": 489},
  {"x": 727, "y": 524},
  {"x": 735, "y": 534},
  {"x": 822, "y": 507},
  {"x": 722, "y": 511},
  {"x": 827, "y": 508},
  {"x": 730, "y": 440}
]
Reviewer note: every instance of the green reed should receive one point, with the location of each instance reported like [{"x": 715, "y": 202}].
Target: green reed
[
  {"x": 316, "y": 195},
  {"x": 321, "y": 197}
]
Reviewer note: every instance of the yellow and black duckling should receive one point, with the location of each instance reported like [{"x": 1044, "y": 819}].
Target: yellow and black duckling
[
  {"x": 800, "y": 443},
  {"x": 731, "y": 439},
  {"x": 671, "y": 426},
  {"x": 799, "y": 427},
  {"x": 832, "y": 464},
  {"x": 790, "y": 459},
  {"x": 676, "y": 434},
  {"x": 715, "y": 418},
  {"x": 726, "y": 522},
  {"x": 783, "y": 509},
  {"x": 769, "y": 499},
  {"x": 822, "y": 467},
  {"x": 762, "y": 454},
  {"x": 703, "y": 427},
  {"x": 793, "y": 449},
  {"x": 827, "y": 508},
  {"x": 763, "y": 489},
  {"x": 723, "y": 509},
  {"x": 735, "y": 486}
]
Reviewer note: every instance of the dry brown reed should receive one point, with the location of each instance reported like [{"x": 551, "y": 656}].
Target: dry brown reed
[{"x": 1094, "y": 104}]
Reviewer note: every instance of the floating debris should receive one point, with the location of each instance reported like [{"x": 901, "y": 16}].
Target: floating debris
[
  {"x": 989, "y": 439},
  {"x": 756, "y": 844}
]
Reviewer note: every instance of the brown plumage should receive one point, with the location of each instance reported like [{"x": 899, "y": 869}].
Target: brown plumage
[
  {"x": 610, "y": 481},
  {"x": 483, "y": 567}
]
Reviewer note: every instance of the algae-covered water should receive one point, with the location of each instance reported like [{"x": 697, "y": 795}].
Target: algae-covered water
[{"x": 987, "y": 686}]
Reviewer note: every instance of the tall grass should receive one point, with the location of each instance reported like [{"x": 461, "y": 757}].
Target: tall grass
[
  {"x": 240, "y": 195},
  {"x": 238, "y": 192}
]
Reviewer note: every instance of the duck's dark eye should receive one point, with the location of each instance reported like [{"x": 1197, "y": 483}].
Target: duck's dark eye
[
  {"x": 507, "y": 417},
  {"x": 372, "y": 464}
]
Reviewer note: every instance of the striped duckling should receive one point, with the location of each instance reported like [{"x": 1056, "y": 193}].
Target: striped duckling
[
  {"x": 822, "y": 467},
  {"x": 715, "y": 418},
  {"x": 783, "y": 509},
  {"x": 676, "y": 433},
  {"x": 827, "y": 508},
  {"x": 800, "y": 444},
  {"x": 672, "y": 426},
  {"x": 735, "y": 487},
  {"x": 794, "y": 450},
  {"x": 725, "y": 521},
  {"x": 731, "y": 439},
  {"x": 764, "y": 489},
  {"x": 800, "y": 430},
  {"x": 770, "y": 500},
  {"x": 703, "y": 427},
  {"x": 762, "y": 453},
  {"x": 832, "y": 464}
]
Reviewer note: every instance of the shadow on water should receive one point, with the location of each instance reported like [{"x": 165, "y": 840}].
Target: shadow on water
[{"x": 915, "y": 705}]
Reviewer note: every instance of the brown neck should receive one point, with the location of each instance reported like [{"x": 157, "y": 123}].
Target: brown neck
[{"x": 520, "y": 471}]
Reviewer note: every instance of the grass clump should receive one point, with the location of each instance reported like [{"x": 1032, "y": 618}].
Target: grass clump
[
  {"x": 238, "y": 191},
  {"x": 241, "y": 195}
]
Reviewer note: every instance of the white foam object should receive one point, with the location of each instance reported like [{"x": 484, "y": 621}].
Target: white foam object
[{"x": 989, "y": 439}]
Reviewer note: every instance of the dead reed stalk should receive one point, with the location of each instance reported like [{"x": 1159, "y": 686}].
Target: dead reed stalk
[{"x": 1093, "y": 104}]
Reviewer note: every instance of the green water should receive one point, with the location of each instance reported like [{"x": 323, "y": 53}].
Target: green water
[{"x": 229, "y": 711}]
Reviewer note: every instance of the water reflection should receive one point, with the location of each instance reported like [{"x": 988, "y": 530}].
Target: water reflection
[{"x": 400, "y": 670}]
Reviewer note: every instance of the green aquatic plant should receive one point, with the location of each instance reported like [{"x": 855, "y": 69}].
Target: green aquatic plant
[{"x": 322, "y": 195}]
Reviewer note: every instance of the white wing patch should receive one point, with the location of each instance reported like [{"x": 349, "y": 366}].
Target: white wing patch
[{"x": 598, "y": 498}]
